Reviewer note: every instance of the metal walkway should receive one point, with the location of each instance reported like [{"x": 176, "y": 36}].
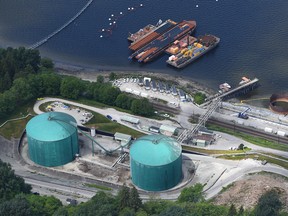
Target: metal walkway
[
  {"x": 44, "y": 40},
  {"x": 187, "y": 134}
]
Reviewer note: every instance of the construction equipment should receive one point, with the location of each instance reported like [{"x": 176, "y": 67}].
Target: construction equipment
[{"x": 243, "y": 114}]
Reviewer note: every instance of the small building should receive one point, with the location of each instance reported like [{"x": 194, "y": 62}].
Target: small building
[
  {"x": 174, "y": 91},
  {"x": 123, "y": 138},
  {"x": 129, "y": 119},
  {"x": 205, "y": 131},
  {"x": 147, "y": 85},
  {"x": 154, "y": 86},
  {"x": 182, "y": 95},
  {"x": 161, "y": 87},
  {"x": 154, "y": 129},
  {"x": 168, "y": 130},
  {"x": 203, "y": 140}
]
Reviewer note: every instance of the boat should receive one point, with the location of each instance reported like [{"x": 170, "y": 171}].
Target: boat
[
  {"x": 141, "y": 33},
  {"x": 193, "y": 51},
  {"x": 158, "y": 45},
  {"x": 155, "y": 32}
]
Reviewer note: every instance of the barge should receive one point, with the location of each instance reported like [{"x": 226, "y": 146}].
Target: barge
[
  {"x": 172, "y": 32},
  {"x": 193, "y": 51}
]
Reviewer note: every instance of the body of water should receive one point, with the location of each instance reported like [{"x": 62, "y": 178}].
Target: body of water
[{"x": 254, "y": 36}]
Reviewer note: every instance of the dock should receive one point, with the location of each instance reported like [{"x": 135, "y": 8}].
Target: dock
[{"x": 238, "y": 91}]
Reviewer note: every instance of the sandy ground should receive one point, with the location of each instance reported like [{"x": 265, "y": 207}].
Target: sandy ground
[{"x": 248, "y": 190}]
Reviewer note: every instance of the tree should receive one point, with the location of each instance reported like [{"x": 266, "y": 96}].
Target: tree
[
  {"x": 134, "y": 200},
  {"x": 112, "y": 76},
  {"x": 192, "y": 194},
  {"x": 269, "y": 204},
  {"x": 241, "y": 146},
  {"x": 47, "y": 63},
  {"x": 10, "y": 184},
  {"x": 241, "y": 211},
  {"x": 127, "y": 212},
  {"x": 109, "y": 94},
  {"x": 199, "y": 98},
  {"x": 16, "y": 207},
  {"x": 123, "y": 197},
  {"x": 100, "y": 79},
  {"x": 71, "y": 87},
  {"x": 232, "y": 210},
  {"x": 205, "y": 209},
  {"x": 174, "y": 211},
  {"x": 123, "y": 101},
  {"x": 142, "y": 107},
  {"x": 44, "y": 205}
]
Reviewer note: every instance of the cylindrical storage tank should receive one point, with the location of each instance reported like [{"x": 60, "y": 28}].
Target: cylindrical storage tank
[
  {"x": 52, "y": 139},
  {"x": 93, "y": 132},
  {"x": 156, "y": 162}
]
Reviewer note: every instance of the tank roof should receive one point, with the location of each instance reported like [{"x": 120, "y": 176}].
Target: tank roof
[
  {"x": 51, "y": 126},
  {"x": 155, "y": 150}
]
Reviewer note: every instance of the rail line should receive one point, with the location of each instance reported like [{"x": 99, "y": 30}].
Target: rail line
[
  {"x": 250, "y": 131},
  {"x": 44, "y": 40}
]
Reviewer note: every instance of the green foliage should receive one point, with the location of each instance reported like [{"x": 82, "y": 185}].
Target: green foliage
[
  {"x": 142, "y": 107},
  {"x": 10, "y": 184},
  {"x": 199, "y": 98},
  {"x": 17, "y": 63},
  {"x": 241, "y": 211},
  {"x": 100, "y": 79},
  {"x": 44, "y": 205},
  {"x": 127, "y": 212},
  {"x": 205, "y": 209},
  {"x": 123, "y": 101},
  {"x": 47, "y": 63},
  {"x": 123, "y": 197},
  {"x": 16, "y": 207},
  {"x": 174, "y": 211},
  {"x": 71, "y": 87},
  {"x": 112, "y": 76},
  {"x": 155, "y": 207},
  {"x": 134, "y": 200},
  {"x": 269, "y": 204},
  {"x": 232, "y": 210},
  {"x": 192, "y": 194},
  {"x": 101, "y": 204},
  {"x": 241, "y": 146}
]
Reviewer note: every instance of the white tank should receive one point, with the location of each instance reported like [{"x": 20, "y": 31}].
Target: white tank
[{"x": 93, "y": 132}]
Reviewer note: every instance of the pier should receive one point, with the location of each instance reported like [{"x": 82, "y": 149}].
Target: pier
[
  {"x": 44, "y": 40},
  {"x": 240, "y": 90}
]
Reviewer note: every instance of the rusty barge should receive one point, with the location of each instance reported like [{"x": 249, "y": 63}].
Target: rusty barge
[{"x": 159, "y": 39}]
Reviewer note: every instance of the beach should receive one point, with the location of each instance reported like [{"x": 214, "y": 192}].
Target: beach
[{"x": 91, "y": 74}]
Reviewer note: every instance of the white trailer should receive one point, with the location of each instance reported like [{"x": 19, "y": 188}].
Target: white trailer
[
  {"x": 281, "y": 133},
  {"x": 268, "y": 130}
]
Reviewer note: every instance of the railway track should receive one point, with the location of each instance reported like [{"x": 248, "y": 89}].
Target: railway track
[
  {"x": 165, "y": 108},
  {"x": 249, "y": 130}
]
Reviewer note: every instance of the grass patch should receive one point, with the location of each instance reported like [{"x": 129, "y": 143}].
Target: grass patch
[
  {"x": 256, "y": 156},
  {"x": 211, "y": 152},
  {"x": 15, "y": 128},
  {"x": 254, "y": 140},
  {"x": 227, "y": 187},
  {"x": 98, "y": 187}
]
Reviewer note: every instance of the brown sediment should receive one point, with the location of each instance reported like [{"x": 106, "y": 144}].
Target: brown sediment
[{"x": 283, "y": 97}]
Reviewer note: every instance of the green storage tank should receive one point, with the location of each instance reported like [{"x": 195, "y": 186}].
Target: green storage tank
[
  {"x": 52, "y": 139},
  {"x": 156, "y": 162}
]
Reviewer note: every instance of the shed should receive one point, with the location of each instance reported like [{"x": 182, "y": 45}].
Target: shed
[
  {"x": 147, "y": 85},
  {"x": 130, "y": 119},
  {"x": 174, "y": 91},
  {"x": 124, "y": 138},
  {"x": 154, "y": 129},
  {"x": 161, "y": 88},
  {"x": 154, "y": 86},
  {"x": 203, "y": 140},
  {"x": 168, "y": 130}
]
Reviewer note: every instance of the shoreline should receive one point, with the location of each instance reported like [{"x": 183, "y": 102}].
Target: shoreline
[{"x": 90, "y": 74}]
